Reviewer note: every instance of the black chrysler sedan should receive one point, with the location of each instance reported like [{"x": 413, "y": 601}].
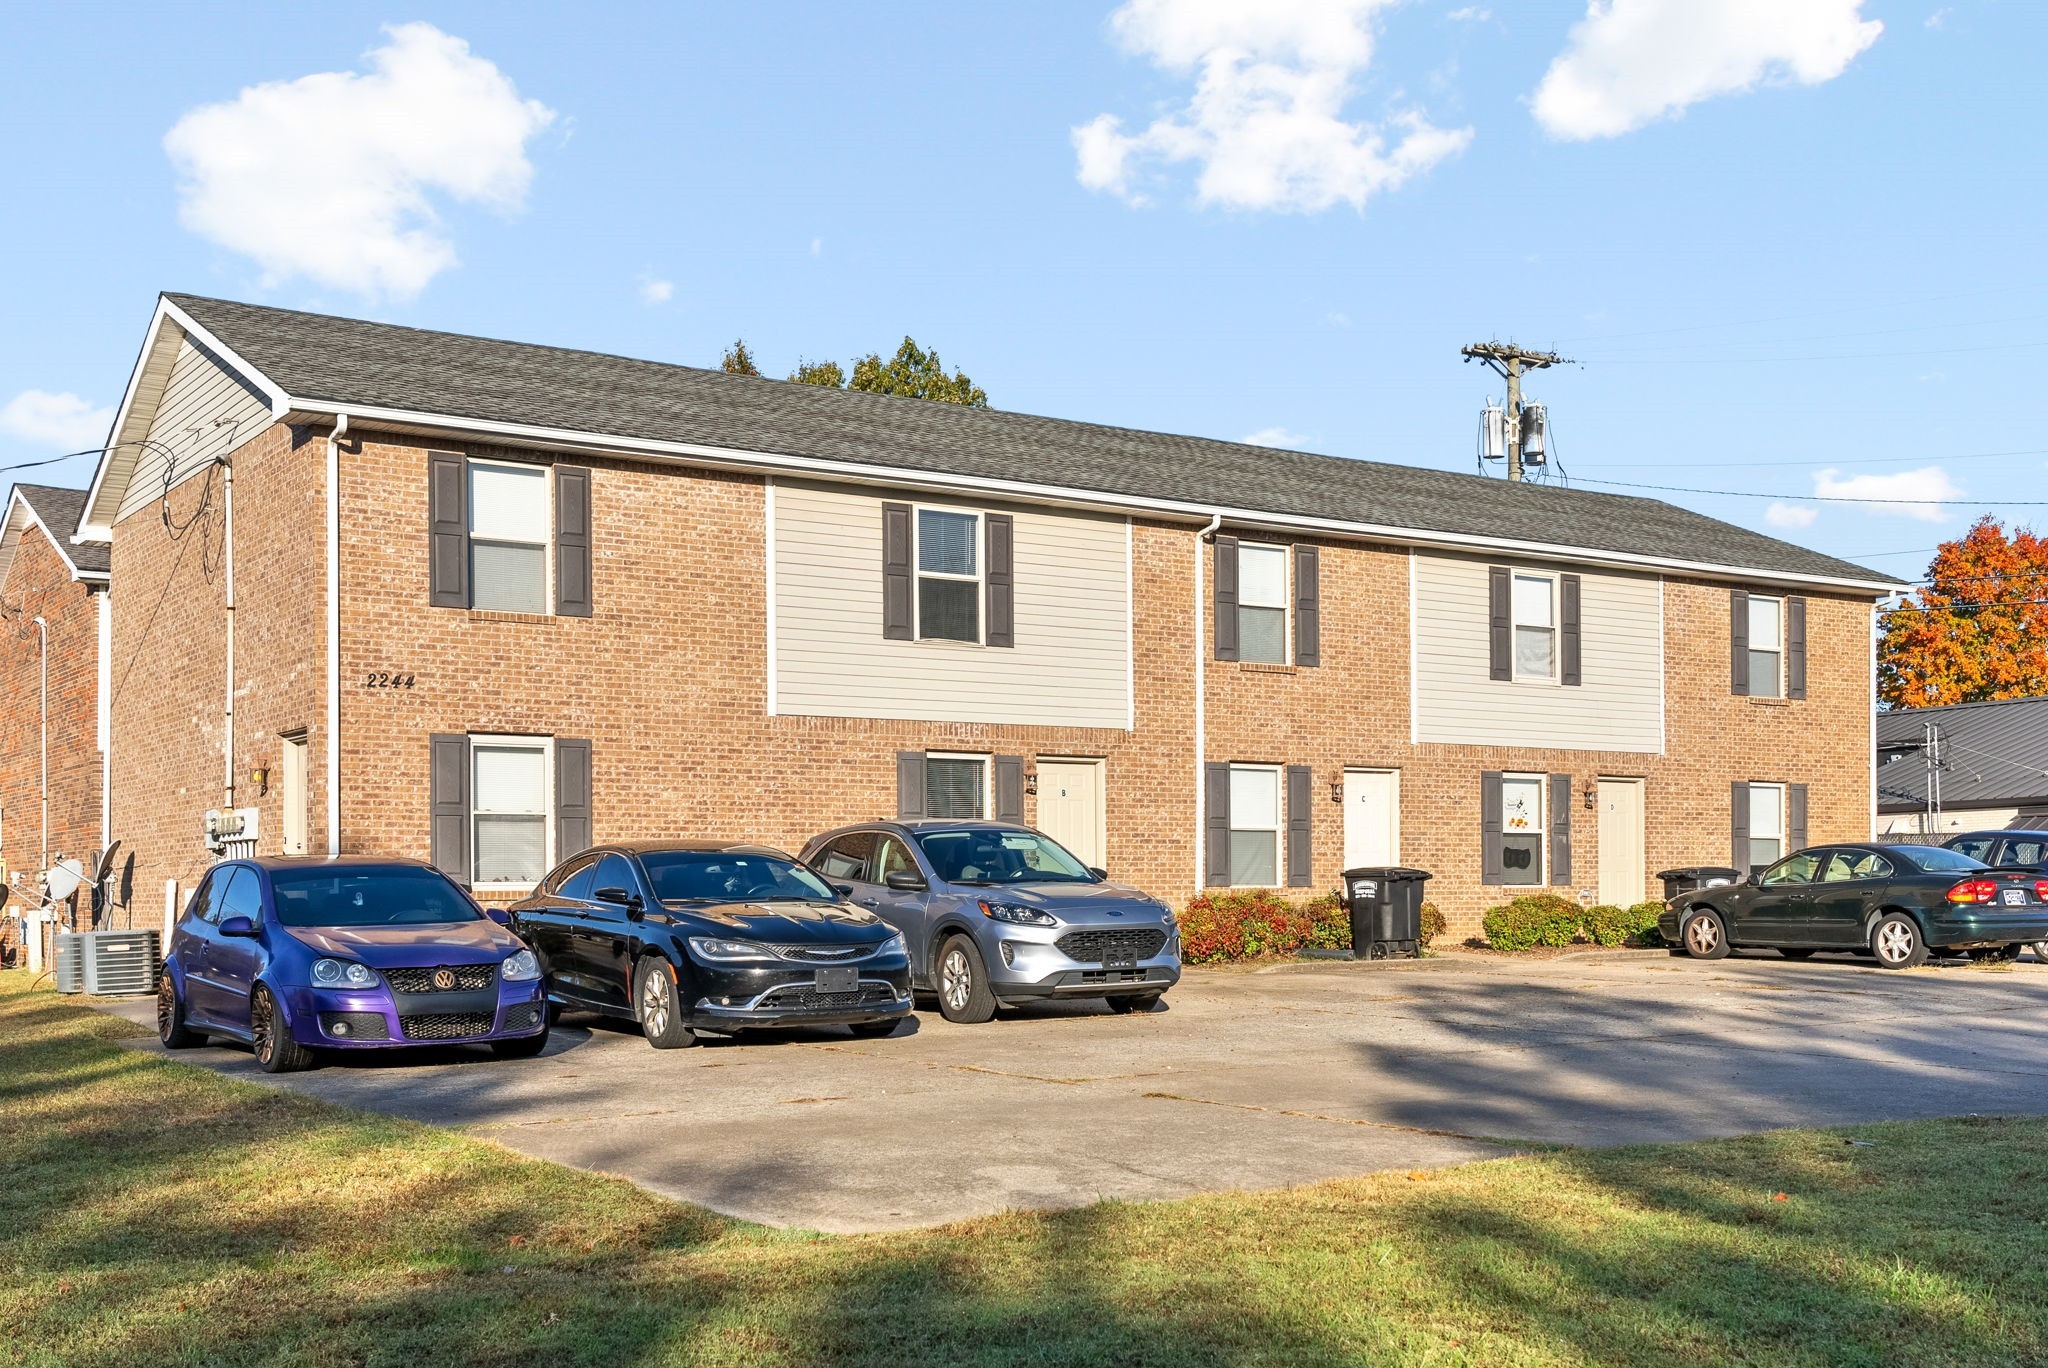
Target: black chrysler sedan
[
  {"x": 1896, "y": 903},
  {"x": 710, "y": 937}
]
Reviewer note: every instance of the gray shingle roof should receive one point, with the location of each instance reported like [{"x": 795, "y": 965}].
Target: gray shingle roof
[
  {"x": 349, "y": 361},
  {"x": 58, "y": 510},
  {"x": 1993, "y": 755}
]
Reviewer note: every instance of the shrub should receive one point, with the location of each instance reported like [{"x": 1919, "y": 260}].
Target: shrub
[
  {"x": 1531, "y": 920},
  {"x": 1226, "y": 926},
  {"x": 1643, "y": 918},
  {"x": 1329, "y": 922},
  {"x": 1607, "y": 924},
  {"x": 1432, "y": 922}
]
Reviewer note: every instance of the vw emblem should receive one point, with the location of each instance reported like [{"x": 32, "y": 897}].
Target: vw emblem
[{"x": 444, "y": 979}]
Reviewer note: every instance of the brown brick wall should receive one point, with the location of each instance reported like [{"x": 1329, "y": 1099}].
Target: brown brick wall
[
  {"x": 168, "y": 678},
  {"x": 39, "y": 584}
]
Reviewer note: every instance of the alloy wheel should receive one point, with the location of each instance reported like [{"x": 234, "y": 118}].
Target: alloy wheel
[
  {"x": 166, "y": 1007},
  {"x": 263, "y": 1027},
  {"x": 1702, "y": 934},
  {"x": 654, "y": 1004},
  {"x": 956, "y": 979},
  {"x": 1894, "y": 942}
]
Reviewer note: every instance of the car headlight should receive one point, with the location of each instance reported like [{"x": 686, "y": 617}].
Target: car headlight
[
  {"x": 729, "y": 951},
  {"x": 520, "y": 967},
  {"x": 334, "y": 973},
  {"x": 895, "y": 945},
  {"x": 1017, "y": 915}
]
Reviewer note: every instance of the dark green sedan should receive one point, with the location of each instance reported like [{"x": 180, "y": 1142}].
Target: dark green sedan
[{"x": 1895, "y": 903}]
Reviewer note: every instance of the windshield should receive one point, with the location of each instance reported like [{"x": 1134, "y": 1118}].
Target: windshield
[
  {"x": 401, "y": 896},
  {"x": 727, "y": 876},
  {"x": 1000, "y": 857},
  {"x": 1935, "y": 860}
]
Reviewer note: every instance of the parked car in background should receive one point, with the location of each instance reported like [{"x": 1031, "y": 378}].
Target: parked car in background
[
  {"x": 997, "y": 914},
  {"x": 1898, "y": 903},
  {"x": 298, "y": 956},
  {"x": 2007, "y": 850},
  {"x": 711, "y": 937}
]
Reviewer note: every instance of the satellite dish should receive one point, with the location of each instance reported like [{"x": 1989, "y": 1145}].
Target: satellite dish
[
  {"x": 63, "y": 878},
  {"x": 106, "y": 863}
]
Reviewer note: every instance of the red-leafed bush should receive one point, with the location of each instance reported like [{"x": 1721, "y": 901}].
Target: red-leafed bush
[{"x": 1216, "y": 927}]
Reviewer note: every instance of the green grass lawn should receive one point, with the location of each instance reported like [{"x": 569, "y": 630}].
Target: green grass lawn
[{"x": 154, "y": 1213}]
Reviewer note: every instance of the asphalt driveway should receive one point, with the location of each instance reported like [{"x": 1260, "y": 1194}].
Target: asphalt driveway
[{"x": 1246, "y": 1079}]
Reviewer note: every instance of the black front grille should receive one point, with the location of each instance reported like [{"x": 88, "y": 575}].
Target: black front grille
[
  {"x": 824, "y": 954},
  {"x": 811, "y": 997},
  {"x": 1094, "y": 947},
  {"x": 355, "y": 1025},
  {"x": 446, "y": 1026},
  {"x": 461, "y": 978}
]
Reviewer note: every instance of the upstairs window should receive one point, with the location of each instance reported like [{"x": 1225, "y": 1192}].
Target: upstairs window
[
  {"x": 949, "y": 587},
  {"x": 1766, "y": 647},
  {"x": 1535, "y": 618},
  {"x": 1262, "y": 603},
  {"x": 508, "y": 537}
]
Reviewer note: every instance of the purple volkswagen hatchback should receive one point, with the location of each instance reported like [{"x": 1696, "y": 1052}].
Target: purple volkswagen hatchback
[{"x": 296, "y": 956}]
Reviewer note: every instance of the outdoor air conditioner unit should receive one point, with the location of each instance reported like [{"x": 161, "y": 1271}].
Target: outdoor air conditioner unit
[{"x": 107, "y": 963}]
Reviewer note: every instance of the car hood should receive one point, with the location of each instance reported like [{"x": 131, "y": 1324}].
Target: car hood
[
  {"x": 1071, "y": 900},
  {"x": 804, "y": 923},
  {"x": 399, "y": 947}
]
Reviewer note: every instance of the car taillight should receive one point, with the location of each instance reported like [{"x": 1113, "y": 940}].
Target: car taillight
[
  {"x": 1974, "y": 891},
  {"x": 2041, "y": 889}
]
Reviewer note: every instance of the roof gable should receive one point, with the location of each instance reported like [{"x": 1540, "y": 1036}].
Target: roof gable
[{"x": 54, "y": 512}]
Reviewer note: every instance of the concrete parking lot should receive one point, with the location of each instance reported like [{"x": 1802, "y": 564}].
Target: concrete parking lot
[{"x": 1245, "y": 1079}]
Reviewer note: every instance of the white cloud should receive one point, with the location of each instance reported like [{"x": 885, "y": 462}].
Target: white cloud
[
  {"x": 1790, "y": 515},
  {"x": 1470, "y": 14},
  {"x": 63, "y": 421},
  {"x": 1903, "y": 491},
  {"x": 817, "y": 246},
  {"x": 1938, "y": 18},
  {"x": 1265, "y": 122},
  {"x": 653, "y": 291},
  {"x": 1275, "y": 437},
  {"x": 1630, "y": 62},
  {"x": 332, "y": 176}
]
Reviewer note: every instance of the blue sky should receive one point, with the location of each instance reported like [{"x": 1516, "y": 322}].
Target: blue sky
[{"x": 1782, "y": 241}]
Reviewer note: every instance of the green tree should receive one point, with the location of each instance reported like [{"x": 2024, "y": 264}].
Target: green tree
[
  {"x": 738, "y": 360},
  {"x": 917, "y": 374},
  {"x": 826, "y": 373}
]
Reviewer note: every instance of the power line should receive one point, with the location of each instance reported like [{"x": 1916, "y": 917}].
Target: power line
[
  {"x": 1832, "y": 356},
  {"x": 1845, "y": 336},
  {"x": 1800, "y": 317},
  {"x": 50, "y": 460},
  {"x": 1836, "y": 461},
  {"x": 1812, "y": 498}
]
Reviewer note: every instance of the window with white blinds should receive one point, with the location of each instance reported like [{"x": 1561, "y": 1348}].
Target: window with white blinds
[
  {"x": 510, "y": 809},
  {"x": 508, "y": 537},
  {"x": 956, "y": 786}
]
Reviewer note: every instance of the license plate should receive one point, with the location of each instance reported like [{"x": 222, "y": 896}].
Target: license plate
[
  {"x": 2015, "y": 897},
  {"x": 1120, "y": 962},
  {"x": 838, "y": 980}
]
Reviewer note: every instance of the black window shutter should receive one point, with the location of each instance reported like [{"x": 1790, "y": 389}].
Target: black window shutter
[
  {"x": 1226, "y": 598},
  {"x": 1492, "y": 867},
  {"x": 1738, "y": 642},
  {"x": 1795, "y": 648},
  {"x": 1300, "y": 803},
  {"x": 1738, "y": 808},
  {"x": 1568, "y": 629},
  {"x": 1560, "y": 829},
  {"x": 1002, "y": 580},
  {"x": 448, "y": 805},
  {"x": 572, "y": 541},
  {"x": 572, "y": 798},
  {"x": 909, "y": 784},
  {"x": 1216, "y": 826},
  {"x": 447, "y": 530},
  {"x": 1308, "y": 606},
  {"x": 1500, "y": 630},
  {"x": 1795, "y": 816},
  {"x": 1009, "y": 788},
  {"x": 897, "y": 623}
]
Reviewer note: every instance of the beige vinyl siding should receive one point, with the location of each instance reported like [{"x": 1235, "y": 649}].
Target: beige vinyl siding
[
  {"x": 1619, "y": 707},
  {"x": 1068, "y": 668},
  {"x": 205, "y": 412}
]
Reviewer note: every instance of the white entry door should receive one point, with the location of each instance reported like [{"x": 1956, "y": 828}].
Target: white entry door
[
  {"x": 1070, "y": 808},
  {"x": 1622, "y": 873},
  {"x": 292, "y": 763},
  {"x": 1372, "y": 818}
]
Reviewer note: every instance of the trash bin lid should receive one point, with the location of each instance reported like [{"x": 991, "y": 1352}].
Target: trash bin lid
[
  {"x": 1391, "y": 873},
  {"x": 1700, "y": 872}
]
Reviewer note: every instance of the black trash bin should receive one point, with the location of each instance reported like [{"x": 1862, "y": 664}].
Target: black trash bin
[
  {"x": 1386, "y": 910},
  {"x": 1678, "y": 882}
]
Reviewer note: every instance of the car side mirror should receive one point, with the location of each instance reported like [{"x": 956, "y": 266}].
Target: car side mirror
[
  {"x": 1101, "y": 874},
  {"x": 502, "y": 916},
  {"x": 905, "y": 881},
  {"x": 843, "y": 890},
  {"x": 629, "y": 901},
  {"x": 238, "y": 926}
]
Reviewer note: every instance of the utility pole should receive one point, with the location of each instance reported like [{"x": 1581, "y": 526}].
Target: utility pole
[{"x": 1509, "y": 360}]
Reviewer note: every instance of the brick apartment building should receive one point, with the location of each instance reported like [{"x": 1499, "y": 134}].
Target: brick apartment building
[
  {"x": 53, "y": 624},
  {"x": 494, "y": 600}
]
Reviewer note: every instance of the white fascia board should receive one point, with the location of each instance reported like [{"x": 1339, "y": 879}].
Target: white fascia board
[
  {"x": 90, "y": 531},
  {"x": 769, "y": 462},
  {"x": 31, "y": 520}
]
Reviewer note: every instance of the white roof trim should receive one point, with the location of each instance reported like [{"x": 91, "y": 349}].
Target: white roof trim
[{"x": 771, "y": 462}]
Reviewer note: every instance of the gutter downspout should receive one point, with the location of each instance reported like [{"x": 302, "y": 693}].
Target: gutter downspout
[
  {"x": 227, "y": 749},
  {"x": 43, "y": 632},
  {"x": 1201, "y": 711},
  {"x": 340, "y": 430}
]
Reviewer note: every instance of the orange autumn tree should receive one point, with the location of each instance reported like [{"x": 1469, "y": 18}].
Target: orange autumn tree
[{"x": 1976, "y": 631}]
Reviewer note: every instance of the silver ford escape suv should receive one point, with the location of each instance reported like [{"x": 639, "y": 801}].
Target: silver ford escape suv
[{"x": 998, "y": 915}]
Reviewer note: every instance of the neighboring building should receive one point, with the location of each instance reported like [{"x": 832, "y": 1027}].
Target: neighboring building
[
  {"x": 53, "y": 626},
  {"x": 1988, "y": 768},
  {"x": 497, "y": 600}
]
